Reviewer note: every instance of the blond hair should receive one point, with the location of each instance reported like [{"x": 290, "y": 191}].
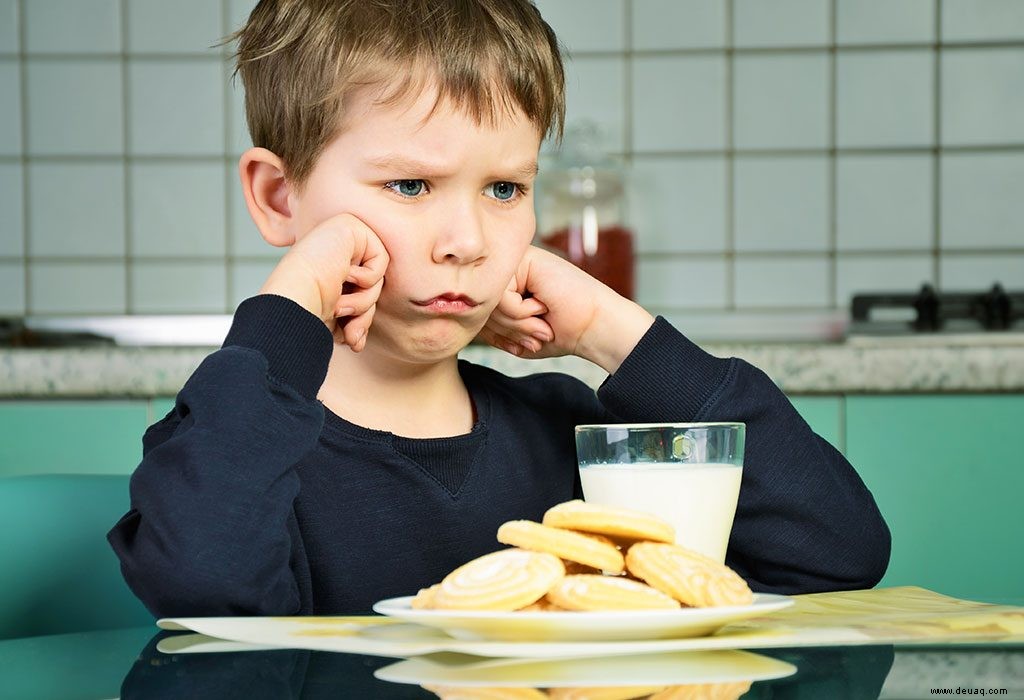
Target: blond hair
[{"x": 301, "y": 61}]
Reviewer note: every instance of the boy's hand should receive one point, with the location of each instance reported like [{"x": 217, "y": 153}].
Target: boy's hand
[
  {"x": 553, "y": 308},
  {"x": 335, "y": 272}
]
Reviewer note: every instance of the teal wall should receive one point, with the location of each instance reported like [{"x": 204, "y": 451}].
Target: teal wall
[{"x": 946, "y": 471}]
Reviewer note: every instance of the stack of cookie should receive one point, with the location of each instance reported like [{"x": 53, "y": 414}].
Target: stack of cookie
[{"x": 587, "y": 557}]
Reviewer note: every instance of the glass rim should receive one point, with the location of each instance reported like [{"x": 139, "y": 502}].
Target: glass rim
[{"x": 632, "y": 426}]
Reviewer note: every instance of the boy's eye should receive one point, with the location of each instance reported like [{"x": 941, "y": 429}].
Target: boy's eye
[
  {"x": 408, "y": 188},
  {"x": 503, "y": 190}
]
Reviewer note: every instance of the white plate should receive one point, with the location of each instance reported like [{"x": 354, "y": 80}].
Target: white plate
[{"x": 581, "y": 626}]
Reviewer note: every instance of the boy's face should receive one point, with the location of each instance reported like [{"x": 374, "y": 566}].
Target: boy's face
[{"x": 450, "y": 199}]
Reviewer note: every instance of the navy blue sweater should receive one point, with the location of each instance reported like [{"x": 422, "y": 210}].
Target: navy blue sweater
[{"x": 252, "y": 498}]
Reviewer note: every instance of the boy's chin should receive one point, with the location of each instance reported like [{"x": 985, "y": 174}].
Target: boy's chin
[{"x": 431, "y": 341}]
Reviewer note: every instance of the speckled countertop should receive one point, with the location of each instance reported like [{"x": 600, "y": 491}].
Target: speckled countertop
[{"x": 885, "y": 366}]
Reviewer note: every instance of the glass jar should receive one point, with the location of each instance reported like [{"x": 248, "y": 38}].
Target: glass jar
[{"x": 580, "y": 209}]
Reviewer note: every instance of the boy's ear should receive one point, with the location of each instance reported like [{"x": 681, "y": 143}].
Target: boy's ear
[{"x": 266, "y": 195}]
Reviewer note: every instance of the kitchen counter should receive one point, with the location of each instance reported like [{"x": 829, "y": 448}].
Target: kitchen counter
[{"x": 899, "y": 365}]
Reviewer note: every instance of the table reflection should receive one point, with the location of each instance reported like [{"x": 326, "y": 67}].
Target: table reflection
[{"x": 822, "y": 672}]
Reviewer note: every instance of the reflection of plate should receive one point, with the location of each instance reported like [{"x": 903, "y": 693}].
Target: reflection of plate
[
  {"x": 670, "y": 668},
  {"x": 581, "y": 626}
]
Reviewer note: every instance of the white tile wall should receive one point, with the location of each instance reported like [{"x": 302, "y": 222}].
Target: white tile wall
[
  {"x": 781, "y": 22},
  {"x": 678, "y": 204},
  {"x": 594, "y": 90},
  {"x": 9, "y": 26},
  {"x": 784, "y": 152},
  {"x": 76, "y": 209},
  {"x": 10, "y": 108},
  {"x": 177, "y": 209},
  {"x": 781, "y": 203},
  {"x": 797, "y": 282},
  {"x": 972, "y": 272},
  {"x": 247, "y": 277},
  {"x": 182, "y": 26},
  {"x": 176, "y": 108},
  {"x": 681, "y": 283},
  {"x": 781, "y": 101},
  {"x": 177, "y": 287},
  {"x": 982, "y": 200},
  {"x": 679, "y": 103},
  {"x": 971, "y": 20},
  {"x": 884, "y": 202},
  {"x": 75, "y": 107},
  {"x": 12, "y": 224},
  {"x": 586, "y": 25},
  {"x": 72, "y": 26},
  {"x": 885, "y": 98},
  {"x": 885, "y": 21},
  {"x": 62, "y": 288},
  {"x": 678, "y": 24},
  {"x": 12, "y": 288},
  {"x": 983, "y": 96}
]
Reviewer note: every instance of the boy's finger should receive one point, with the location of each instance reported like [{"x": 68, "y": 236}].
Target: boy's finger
[
  {"x": 359, "y": 301},
  {"x": 358, "y": 328},
  {"x": 514, "y": 306}
]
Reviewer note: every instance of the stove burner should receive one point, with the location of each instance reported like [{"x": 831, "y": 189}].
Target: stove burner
[{"x": 931, "y": 311}]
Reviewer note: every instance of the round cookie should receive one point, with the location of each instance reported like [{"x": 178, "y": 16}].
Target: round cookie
[
  {"x": 704, "y": 691},
  {"x": 691, "y": 578},
  {"x": 606, "y": 520},
  {"x": 505, "y": 580},
  {"x": 591, "y": 550},
  {"x": 590, "y": 592}
]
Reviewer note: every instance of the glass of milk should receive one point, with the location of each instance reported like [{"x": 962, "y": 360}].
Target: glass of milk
[{"x": 686, "y": 473}]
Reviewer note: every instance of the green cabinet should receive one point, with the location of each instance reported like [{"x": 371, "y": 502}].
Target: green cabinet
[
  {"x": 825, "y": 416},
  {"x": 947, "y": 473},
  {"x": 71, "y": 437}
]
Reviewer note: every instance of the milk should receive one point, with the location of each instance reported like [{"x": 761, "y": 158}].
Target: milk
[{"x": 698, "y": 499}]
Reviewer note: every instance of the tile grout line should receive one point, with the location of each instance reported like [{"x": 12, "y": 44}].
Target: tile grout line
[
  {"x": 832, "y": 270},
  {"x": 730, "y": 162},
  {"x": 937, "y": 151},
  {"x": 129, "y": 209},
  {"x": 26, "y": 191}
]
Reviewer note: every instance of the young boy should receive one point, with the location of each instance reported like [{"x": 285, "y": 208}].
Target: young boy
[{"x": 335, "y": 451}]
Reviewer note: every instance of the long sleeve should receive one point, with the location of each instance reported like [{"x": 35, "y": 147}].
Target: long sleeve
[
  {"x": 805, "y": 521},
  {"x": 211, "y": 529}
]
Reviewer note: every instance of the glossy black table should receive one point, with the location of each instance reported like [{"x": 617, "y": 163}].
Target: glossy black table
[{"x": 127, "y": 664}]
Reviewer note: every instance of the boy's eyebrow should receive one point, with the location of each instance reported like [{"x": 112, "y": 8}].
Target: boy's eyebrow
[{"x": 395, "y": 161}]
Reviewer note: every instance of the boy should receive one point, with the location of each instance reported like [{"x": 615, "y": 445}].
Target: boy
[{"x": 335, "y": 451}]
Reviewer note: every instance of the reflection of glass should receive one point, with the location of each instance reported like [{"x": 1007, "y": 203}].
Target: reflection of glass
[
  {"x": 695, "y": 672},
  {"x": 687, "y": 473}
]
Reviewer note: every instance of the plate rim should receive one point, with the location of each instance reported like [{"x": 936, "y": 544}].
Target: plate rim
[{"x": 761, "y": 600}]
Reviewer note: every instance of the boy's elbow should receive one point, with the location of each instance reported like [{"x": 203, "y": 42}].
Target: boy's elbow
[{"x": 867, "y": 559}]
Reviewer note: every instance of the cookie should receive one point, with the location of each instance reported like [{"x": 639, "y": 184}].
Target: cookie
[
  {"x": 704, "y": 691},
  {"x": 691, "y": 578},
  {"x": 606, "y": 520},
  {"x": 591, "y": 550},
  {"x": 424, "y": 600},
  {"x": 503, "y": 581},
  {"x": 589, "y": 592}
]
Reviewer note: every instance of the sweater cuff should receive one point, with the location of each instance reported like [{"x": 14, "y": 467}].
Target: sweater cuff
[
  {"x": 665, "y": 378},
  {"x": 297, "y": 344}
]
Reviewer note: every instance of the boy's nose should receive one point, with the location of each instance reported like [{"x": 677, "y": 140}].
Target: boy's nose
[{"x": 460, "y": 236}]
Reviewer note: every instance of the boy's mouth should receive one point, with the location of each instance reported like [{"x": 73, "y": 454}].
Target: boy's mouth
[{"x": 448, "y": 303}]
